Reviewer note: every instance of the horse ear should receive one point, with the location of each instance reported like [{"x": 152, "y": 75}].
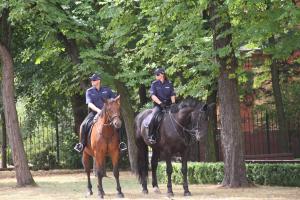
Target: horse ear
[
  {"x": 117, "y": 99},
  {"x": 204, "y": 108}
]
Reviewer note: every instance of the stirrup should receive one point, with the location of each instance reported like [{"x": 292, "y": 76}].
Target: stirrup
[
  {"x": 123, "y": 146},
  {"x": 78, "y": 147}
]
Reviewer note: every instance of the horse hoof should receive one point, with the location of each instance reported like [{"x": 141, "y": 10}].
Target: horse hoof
[
  {"x": 89, "y": 193},
  {"x": 156, "y": 190},
  {"x": 145, "y": 191},
  {"x": 170, "y": 194},
  {"x": 186, "y": 194},
  {"x": 100, "y": 196},
  {"x": 120, "y": 195}
]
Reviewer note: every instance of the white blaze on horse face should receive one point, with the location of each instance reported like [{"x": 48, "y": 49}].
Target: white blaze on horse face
[
  {"x": 198, "y": 137},
  {"x": 201, "y": 119},
  {"x": 117, "y": 122}
]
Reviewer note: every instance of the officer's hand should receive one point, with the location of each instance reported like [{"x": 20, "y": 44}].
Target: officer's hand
[
  {"x": 162, "y": 105},
  {"x": 174, "y": 108}
]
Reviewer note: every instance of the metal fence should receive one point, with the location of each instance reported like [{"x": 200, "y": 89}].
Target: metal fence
[
  {"x": 261, "y": 136},
  {"x": 49, "y": 144},
  {"x": 47, "y": 140},
  {"x": 54, "y": 141}
]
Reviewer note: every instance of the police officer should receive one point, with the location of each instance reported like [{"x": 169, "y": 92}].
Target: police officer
[
  {"x": 163, "y": 95},
  {"x": 95, "y": 97}
]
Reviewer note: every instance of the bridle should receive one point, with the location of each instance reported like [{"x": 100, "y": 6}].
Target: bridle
[
  {"x": 192, "y": 132},
  {"x": 111, "y": 119}
]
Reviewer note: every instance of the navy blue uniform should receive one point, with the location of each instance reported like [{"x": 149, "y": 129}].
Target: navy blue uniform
[
  {"x": 163, "y": 91},
  {"x": 97, "y": 97}
]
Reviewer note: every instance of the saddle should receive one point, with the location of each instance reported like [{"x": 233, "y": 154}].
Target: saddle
[
  {"x": 89, "y": 133},
  {"x": 87, "y": 129}
]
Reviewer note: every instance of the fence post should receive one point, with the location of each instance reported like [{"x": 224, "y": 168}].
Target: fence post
[
  {"x": 57, "y": 140},
  {"x": 268, "y": 132}
]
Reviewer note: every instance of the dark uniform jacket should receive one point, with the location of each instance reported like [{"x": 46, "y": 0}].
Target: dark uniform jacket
[
  {"x": 163, "y": 91},
  {"x": 97, "y": 97}
]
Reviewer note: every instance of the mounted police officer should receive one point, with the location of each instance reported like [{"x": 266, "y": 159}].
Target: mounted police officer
[
  {"x": 163, "y": 95},
  {"x": 95, "y": 97}
]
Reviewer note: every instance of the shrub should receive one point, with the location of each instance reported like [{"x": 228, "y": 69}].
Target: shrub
[
  {"x": 44, "y": 160},
  {"x": 213, "y": 173}
]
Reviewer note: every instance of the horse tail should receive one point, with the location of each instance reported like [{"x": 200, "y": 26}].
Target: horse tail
[
  {"x": 142, "y": 160},
  {"x": 142, "y": 153}
]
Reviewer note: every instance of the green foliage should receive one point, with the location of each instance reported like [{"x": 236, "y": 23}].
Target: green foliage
[
  {"x": 69, "y": 158},
  {"x": 291, "y": 94},
  {"x": 213, "y": 173},
  {"x": 44, "y": 160},
  {"x": 257, "y": 21}
]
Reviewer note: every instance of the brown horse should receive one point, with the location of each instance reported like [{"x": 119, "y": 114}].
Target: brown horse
[{"x": 104, "y": 141}]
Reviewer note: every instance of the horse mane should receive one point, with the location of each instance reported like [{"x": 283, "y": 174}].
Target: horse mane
[{"x": 188, "y": 102}]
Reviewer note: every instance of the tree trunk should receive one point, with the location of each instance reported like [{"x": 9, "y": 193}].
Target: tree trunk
[
  {"x": 23, "y": 174},
  {"x": 231, "y": 133},
  {"x": 79, "y": 110},
  {"x": 5, "y": 34},
  {"x": 142, "y": 95},
  {"x": 283, "y": 127},
  {"x": 4, "y": 143},
  {"x": 212, "y": 149},
  {"x": 128, "y": 117},
  {"x": 77, "y": 100}
]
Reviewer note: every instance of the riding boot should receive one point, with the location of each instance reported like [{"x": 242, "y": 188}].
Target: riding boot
[
  {"x": 151, "y": 134},
  {"x": 79, "y": 147}
]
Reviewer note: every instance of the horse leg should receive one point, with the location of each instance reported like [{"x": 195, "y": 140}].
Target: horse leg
[
  {"x": 154, "y": 163},
  {"x": 100, "y": 174},
  {"x": 86, "y": 165},
  {"x": 115, "y": 161},
  {"x": 184, "y": 173},
  {"x": 169, "y": 173}
]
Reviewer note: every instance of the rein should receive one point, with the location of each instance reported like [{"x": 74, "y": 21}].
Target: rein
[{"x": 191, "y": 132}]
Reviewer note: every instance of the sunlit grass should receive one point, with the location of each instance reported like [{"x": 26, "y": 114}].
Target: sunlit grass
[{"x": 73, "y": 186}]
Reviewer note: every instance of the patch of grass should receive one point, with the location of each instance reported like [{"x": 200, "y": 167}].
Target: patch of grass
[{"x": 73, "y": 186}]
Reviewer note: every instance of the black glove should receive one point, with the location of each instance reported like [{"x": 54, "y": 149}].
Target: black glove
[
  {"x": 162, "y": 105},
  {"x": 174, "y": 108}
]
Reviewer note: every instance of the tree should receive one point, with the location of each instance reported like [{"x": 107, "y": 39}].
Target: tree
[
  {"x": 212, "y": 147},
  {"x": 3, "y": 137},
  {"x": 231, "y": 133},
  {"x": 272, "y": 27},
  {"x": 23, "y": 174}
]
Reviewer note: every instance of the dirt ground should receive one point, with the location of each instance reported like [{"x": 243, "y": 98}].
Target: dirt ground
[{"x": 62, "y": 184}]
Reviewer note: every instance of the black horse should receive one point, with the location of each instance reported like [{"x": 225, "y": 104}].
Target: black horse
[{"x": 174, "y": 134}]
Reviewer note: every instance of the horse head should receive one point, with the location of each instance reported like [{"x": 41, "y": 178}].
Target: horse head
[
  {"x": 199, "y": 120},
  {"x": 195, "y": 116},
  {"x": 112, "y": 109}
]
